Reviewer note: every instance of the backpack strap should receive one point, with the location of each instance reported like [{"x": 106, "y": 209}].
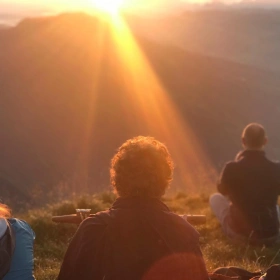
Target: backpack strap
[
  {"x": 12, "y": 236},
  {"x": 7, "y": 247}
]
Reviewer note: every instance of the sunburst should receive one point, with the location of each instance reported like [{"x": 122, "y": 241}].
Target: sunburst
[{"x": 107, "y": 6}]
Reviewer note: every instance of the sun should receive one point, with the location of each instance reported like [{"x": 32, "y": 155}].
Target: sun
[{"x": 107, "y": 6}]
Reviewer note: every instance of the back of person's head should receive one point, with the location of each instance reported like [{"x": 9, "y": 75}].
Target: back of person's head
[
  {"x": 254, "y": 136},
  {"x": 141, "y": 167},
  {"x": 5, "y": 211}
]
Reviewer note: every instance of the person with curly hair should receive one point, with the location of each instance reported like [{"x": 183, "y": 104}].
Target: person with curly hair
[
  {"x": 142, "y": 167},
  {"x": 138, "y": 237},
  {"x": 16, "y": 245}
]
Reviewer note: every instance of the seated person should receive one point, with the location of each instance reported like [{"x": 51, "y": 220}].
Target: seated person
[
  {"x": 139, "y": 237},
  {"x": 249, "y": 187},
  {"x": 22, "y": 262}
]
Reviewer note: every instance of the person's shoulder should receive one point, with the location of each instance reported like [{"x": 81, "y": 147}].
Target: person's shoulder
[
  {"x": 21, "y": 225},
  {"x": 231, "y": 165},
  {"x": 91, "y": 229},
  {"x": 275, "y": 165},
  {"x": 179, "y": 223},
  {"x": 97, "y": 220}
]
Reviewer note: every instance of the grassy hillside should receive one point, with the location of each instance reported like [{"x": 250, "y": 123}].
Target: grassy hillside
[{"x": 52, "y": 239}]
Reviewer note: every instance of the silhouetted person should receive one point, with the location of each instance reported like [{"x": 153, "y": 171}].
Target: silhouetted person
[
  {"x": 139, "y": 237},
  {"x": 249, "y": 187}
]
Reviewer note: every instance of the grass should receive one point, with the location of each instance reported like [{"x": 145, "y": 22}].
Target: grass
[{"x": 52, "y": 239}]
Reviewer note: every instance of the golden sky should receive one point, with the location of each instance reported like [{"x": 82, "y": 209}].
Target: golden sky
[
  {"x": 82, "y": 4},
  {"x": 134, "y": 4}
]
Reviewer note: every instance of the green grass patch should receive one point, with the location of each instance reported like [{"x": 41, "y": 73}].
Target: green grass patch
[{"x": 52, "y": 239}]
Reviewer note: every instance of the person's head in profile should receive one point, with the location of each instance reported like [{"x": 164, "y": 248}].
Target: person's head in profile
[
  {"x": 254, "y": 137},
  {"x": 142, "y": 167}
]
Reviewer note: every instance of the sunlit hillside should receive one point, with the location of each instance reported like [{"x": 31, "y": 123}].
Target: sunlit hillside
[{"x": 70, "y": 99}]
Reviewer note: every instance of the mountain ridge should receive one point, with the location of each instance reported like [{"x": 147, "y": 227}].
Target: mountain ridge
[
  {"x": 48, "y": 86},
  {"x": 249, "y": 36}
]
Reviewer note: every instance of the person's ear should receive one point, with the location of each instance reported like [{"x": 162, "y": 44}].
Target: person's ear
[{"x": 265, "y": 141}]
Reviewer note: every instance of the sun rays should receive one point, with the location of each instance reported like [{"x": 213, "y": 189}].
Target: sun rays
[
  {"x": 140, "y": 98},
  {"x": 150, "y": 101}
]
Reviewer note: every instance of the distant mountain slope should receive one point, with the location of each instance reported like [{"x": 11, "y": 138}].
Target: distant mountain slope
[
  {"x": 47, "y": 88},
  {"x": 4, "y": 26},
  {"x": 249, "y": 36}
]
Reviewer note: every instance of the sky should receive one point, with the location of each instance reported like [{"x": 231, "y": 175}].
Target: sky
[
  {"x": 144, "y": 3},
  {"x": 48, "y": 6}
]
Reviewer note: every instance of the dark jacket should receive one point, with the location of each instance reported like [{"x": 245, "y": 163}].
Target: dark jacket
[
  {"x": 136, "y": 239},
  {"x": 252, "y": 183}
]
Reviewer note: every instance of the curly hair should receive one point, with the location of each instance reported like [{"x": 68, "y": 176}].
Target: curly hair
[
  {"x": 141, "y": 167},
  {"x": 5, "y": 211}
]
